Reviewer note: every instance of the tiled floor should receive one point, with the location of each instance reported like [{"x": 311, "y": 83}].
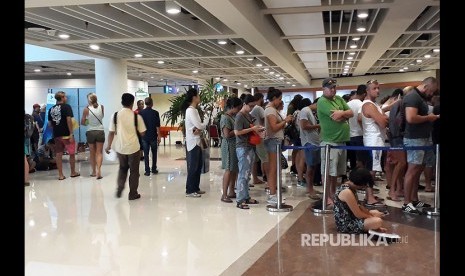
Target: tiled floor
[{"x": 78, "y": 227}]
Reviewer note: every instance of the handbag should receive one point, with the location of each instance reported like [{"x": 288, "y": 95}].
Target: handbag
[
  {"x": 254, "y": 138},
  {"x": 204, "y": 143}
]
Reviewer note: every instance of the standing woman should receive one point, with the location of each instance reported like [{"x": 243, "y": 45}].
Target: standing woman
[
  {"x": 194, "y": 127},
  {"x": 274, "y": 124},
  {"x": 92, "y": 117},
  {"x": 229, "y": 160}
]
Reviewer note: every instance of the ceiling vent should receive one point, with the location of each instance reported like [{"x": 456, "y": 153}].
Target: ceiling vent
[
  {"x": 405, "y": 52},
  {"x": 423, "y": 38}
]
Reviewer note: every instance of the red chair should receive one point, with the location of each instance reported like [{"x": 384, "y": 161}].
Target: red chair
[{"x": 214, "y": 134}]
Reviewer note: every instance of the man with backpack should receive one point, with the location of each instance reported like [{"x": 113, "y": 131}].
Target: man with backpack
[
  {"x": 418, "y": 128},
  {"x": 124, "y": 128}
]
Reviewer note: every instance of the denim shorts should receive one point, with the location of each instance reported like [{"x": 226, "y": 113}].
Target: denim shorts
[
  {"x": 270, "y": 144},
  {"x": 419, "y": 157},
  {"x": 312, "y": 156}
]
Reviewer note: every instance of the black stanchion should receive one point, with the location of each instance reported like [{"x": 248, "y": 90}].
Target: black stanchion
[
  {"x": 323, "y": 209},
  {"x": 279, "y": 207},
  {"x": 434, "y": 211}
]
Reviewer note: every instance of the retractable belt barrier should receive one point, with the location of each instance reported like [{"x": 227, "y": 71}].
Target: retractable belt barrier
[{"x": 433, "y": 211}]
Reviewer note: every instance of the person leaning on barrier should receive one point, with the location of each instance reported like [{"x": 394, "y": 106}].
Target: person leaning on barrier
[{"x": 349, "y": 215}]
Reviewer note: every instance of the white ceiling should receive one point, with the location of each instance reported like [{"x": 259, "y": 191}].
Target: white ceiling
[{"x": 300, "y": 40}]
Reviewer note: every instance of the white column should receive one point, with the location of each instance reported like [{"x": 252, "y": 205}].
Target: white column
[{"x": 110, "y": 83}]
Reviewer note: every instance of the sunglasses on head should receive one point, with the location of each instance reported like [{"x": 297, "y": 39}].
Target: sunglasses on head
[{"x": 372, "y": 81}]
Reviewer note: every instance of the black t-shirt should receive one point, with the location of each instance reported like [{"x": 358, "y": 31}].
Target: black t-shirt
[
  {"x": 421, "y": 130},
  {"x": 57, "y": 116}
]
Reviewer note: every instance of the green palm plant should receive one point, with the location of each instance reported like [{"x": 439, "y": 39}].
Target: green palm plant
[{"x": 209, "y": 99}]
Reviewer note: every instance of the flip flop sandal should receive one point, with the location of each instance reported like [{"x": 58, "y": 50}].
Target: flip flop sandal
[
  {"x": 242, "y": 206},
  {"x": 226, "y": 199},
  {"x": 392, "y": 199},
  {"x": 62, "y": 178},
  {"x": 251, "y": 201},
  {"x": 76, "y": 175}
]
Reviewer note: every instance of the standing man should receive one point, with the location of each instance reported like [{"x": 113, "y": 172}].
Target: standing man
[
  {"x": 374, "y": 123},
  {"x": 333, "y": 113},
  {"x": 124, "y": 129},
  {"x": 60, "y": 120},
  {"x": 152, "y": 137},
  {"x": 356, "y": 131},
  {"x": 258, "y": 113},
  {"x": 417, "y": 132}
]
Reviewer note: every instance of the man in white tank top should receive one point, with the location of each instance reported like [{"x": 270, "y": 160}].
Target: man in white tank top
[{"x": 374, "y": 123}]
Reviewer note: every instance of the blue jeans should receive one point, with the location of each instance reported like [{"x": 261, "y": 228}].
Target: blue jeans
[
  {"x": 152, "y": 145},
  {"x": 245, "y": 155},
  {"x": 194, "y": 168}
]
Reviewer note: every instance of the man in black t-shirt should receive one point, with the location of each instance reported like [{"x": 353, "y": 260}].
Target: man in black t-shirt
[
  {"x": 417, "y": 132},
  {"x": 60, "y": 118}
]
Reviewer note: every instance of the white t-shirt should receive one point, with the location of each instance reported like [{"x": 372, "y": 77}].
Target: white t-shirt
[
  {"x": 126, "y": 141},
  {"x": 193, "y": 120},
  {"x": 373, "y": 135},
  {"x": 355, "y": 128},
  {"x": 308, "y": 136}
]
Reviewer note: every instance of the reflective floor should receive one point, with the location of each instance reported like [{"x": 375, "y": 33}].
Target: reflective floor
[{"x": 77, "y": 227}]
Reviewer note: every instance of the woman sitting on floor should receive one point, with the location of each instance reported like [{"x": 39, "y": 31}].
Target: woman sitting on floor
[{"x": 350, "y": 216}]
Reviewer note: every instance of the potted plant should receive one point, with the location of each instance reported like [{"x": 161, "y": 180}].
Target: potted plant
[{"x": 210, "y": 100}]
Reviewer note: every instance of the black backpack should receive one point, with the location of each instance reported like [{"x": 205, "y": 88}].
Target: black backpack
[{"x": 397, "y": 121}]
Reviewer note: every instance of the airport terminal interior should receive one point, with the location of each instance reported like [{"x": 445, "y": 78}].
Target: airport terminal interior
[{"x": 77, "y": 225}]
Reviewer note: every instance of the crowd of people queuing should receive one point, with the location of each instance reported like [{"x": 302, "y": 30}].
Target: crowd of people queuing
[{"x": 356, "y": 119}]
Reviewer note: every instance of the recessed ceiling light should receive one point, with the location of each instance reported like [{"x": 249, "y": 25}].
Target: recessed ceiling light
[
  {"x": 271, "y": 73},
  {"x": 401, "y": 70},
  {"x": 152, "y": 77},
  {"x": 245, "y": 85},
  {"x": 405, "y": 68},
  {"x": 362, "y": 13},
  {"x": 350, "y": 58},
  {"x": 352, "y": 53},
  {"x": 356, "y": 38},
  {"x": 436, "y": 50},
  {"x": 239, "y": 50},
  {"x": 250, "y": 58},
  {"x": 63, "y": 36},
  {"x": 277, "y": 75},
  {"x": 160, "y": 62},
  {"x": 222, "y": 41},
  {"x": 293, "y": 85},
  {"x": 238, "y": 83},
  {"x": 281, "y": 78},
  {"x": 348, "y": 62},
  {"x": 361, "y": 29},
  {"x": 353, "y": 46},
  {"x": 346, "y": 66},
  {"x": 266, "y": 69},
  {"x": 288, "y": 82},
  {"x": 419, "y": 61},
  {"x": 138, "y": 55},
  {"x": 225, "y": 79},
  {"x": 427, "y": 56},
  {"x": 217, "y": 78},
  {"x": 69, "y": 74},
  {"x": 171, "y": 7},
  {"x": 94, "y": 46},
  {"x": 37, "y": 70},
  {"x": 195, "y": 71}
]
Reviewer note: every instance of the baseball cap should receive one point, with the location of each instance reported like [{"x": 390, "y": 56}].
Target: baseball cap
[{"x": 329, "y": 82}]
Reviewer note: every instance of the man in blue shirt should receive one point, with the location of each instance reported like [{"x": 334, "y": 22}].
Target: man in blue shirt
[{"x": 152, "y": 136}]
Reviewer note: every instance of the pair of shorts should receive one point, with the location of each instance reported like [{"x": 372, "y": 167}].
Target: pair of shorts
[
  {"x": 261, "y": 152},
  {"x": 420, "y": 157},
  {"x": 312, "y": 156},
  {"x": 95, "y": 136},
  {"x": 337, "y": 159},
  {"x": 62, "y": 144},
  {"x": 270, "y": 144}
]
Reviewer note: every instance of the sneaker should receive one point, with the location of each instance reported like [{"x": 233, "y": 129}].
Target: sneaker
[
  {"x": 134, "y": 197},
  {"x": 194, "y": 194},
  {"x": 410, "y": 209},
  {"x": 155, "y": 171},
  {"x": 146, "y": 173},
  {"x": 420, "y": 204},
  {"x": 272, "y": 200},
  {"x": 200, "y": 192},
  {"x": 301, "y": 183}
]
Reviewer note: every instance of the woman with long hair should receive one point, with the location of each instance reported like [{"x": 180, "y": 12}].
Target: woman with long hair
[
  {"x": 193, "y": 126},
  {"x": 274, "y": 124},
  {"x": 92, "y": 117},
  {"x": 229, "y": 160}
]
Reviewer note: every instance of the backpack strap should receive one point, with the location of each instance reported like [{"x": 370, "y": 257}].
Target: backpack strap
[{"x": 114, "y": 120}]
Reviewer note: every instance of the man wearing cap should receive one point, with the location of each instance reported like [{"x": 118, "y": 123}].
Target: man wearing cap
[{"x": 333, "y": 113}]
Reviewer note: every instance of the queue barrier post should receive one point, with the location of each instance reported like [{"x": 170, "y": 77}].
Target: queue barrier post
[
  {"x": 279, "y": 207},
  {"x": 323, "y": 209}
]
